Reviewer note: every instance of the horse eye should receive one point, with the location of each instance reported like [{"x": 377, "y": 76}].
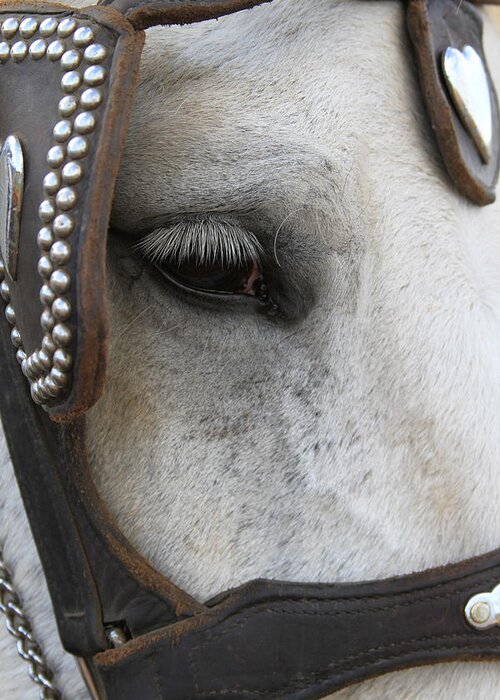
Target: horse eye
[{"x": 215, "y": 278}]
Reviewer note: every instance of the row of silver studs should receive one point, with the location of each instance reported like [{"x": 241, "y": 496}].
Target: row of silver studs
[{"x": 73, "y": 46}]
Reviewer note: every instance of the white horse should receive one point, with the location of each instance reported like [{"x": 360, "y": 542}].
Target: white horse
[{"x": 354, "y": 435}]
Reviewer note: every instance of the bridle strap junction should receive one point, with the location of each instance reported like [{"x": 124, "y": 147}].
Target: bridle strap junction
[{"x": 136, "y": 633}]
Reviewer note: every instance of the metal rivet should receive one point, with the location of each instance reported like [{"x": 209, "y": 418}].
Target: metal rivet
[
  {"x": 19, "y": 51},
  {"x": 480, "y": 612},
  {"x": 28, "y": 27},
  {"x": 9, "y": 27},
  {"x": 68, "y": 105},
  {"x": 15, "y": 338},
  {"x": 47, "y": 296},
  {"x": 66, "y": 27},
  {"x": 51, "y": 387},
  {"x": 71, "y": 59},
  {"x": 61, "y": 309},
  {"x": 71, "y": 81},
  {"x": 61, "y": 335},
  {"x": 45, "y": 360},
  {"x": 48, "y": 345},
  {"x": 84, "y": 123},
  {"x": 38, "y": 49},
  {"x": 45, "y": 238},
  {"x": 60, "y": 281},
  {"x": 72, "y": 172},
  {"x": 62, "y": 360},
  {"x": 60, "y": 252},
  {"x": 10, "y": 314},
  {"x": 62, "y": 130},
  {"x": 95, "y": 53},
  {"x": 78, "y": 147},
  {"x": 48, "y": 26},
  {"x": 4, "y": 51},
  {"x": 90, "y": 98},
  {"x": 83, "y": 36},
  {"x": 59, "y": 378},
  {"x": 36, "y": 394},
  {"x": 45, "y": 267},
  {"x": 5, "y": 290},
  {"x": 20, "y": 356},
  {"x": 47, "y": 321},
  {"x": 46, "y": 211},
  {"x": 55, "y": 50},
  {"x": 94, "y": 75},
  {"x": 51, "y": 182},
  {"x": 66, "y": 198},
  {"x": 63, "y": 225},
  {"x": 36, "y": 365},
  {"x": 55, "y": 156}
]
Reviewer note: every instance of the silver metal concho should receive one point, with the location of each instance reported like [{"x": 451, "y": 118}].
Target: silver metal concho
[{"x": 70, "y": 43}]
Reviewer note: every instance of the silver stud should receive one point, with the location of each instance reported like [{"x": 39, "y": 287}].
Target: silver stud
[
  {"x": 27, "y": 369},
  {"x": 9, "y": 27},
  {"x": 44, "y": 238},
  {"x": 19, "y": 51},
  {"x": 71, "y": 81},
  {"x": 95, "y": 53},
  {"x": 66, "y": 27},
  {"x": 51, "y": 183},
  {"x": 94, "y": 75},
  {"x": 45, "y": 267},
  {"x": 15, "y": 338},
  {"x": 78, "y": 147},
  {"x": 51, "y": 387},
  {"x": 47, "y": 296},
  {"x": 48, "y": 345},
  {"x": 28, "y": 27},
  {"x": 36, "y": 394},
  {"x": 71, "y": 59},
  {"x": 60, "y": 252},
  {"x": 5, "y": 291},
  {"x": 55, "y": 50},
  {"x": 61, "y": 309},
  {"x": 47, "y": 321},
  {"x": 84, "y": 123},
  {"x": 44, "y": 360},
  {"x": 20, "y": 356},
  {"x": 63, "y": 225},
  {"x": 83, "y": 36},
  {"x": 10, "y": 314},
  {"x": 55, "y": 156},
  {"x": 46, "y": 211},
  {"x": 35, "y": 364},
  {"x": 72, "y": 172},
  {"x": 62, "y": 360},
  {"x": 66, "y": 198},
  {"x": 48, "y": 26},
  {"x": 60, "y": 281},
  {"x": 4, "y": 51},
  {"x": 38, "y": 49},
  {"x": 62, "y": 130},
  {"x": 59, "y": 378},
  {"x": 61, "y": 335},
  {"x": 68, "y": 105},
  {"x": 2, "y": 270},
  {"x": 90, "y": 98}
]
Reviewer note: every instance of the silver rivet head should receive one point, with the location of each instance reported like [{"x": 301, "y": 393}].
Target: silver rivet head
[
  {"x": 47, "y": 296},
  {"x": 83, "y": 36},
  {"x": 28, "y": 27},
  {"x": 48, "y": 344},
  {"x": 55, "y": 50},
  {"x": 71, "y": 81},
  {"x": 9, "y": 27},
  {"x": 94, "y": 75},
  {"x": 85, "y": 123},
  {"x": 19, "y": 51},
  {"x": 60, "y": 252},
  {"x": 95, "y": 53},
  {"x": 66, "y": 198},
  {"x": 61, "y": 335},
  {"x": 61, "y": 309},
  {"x": 15, "y": 338},
  {"x": 78, "y": 147},
  {"x": 72, "y": 173},
  {"x": 71, "y": 59},
  {"x": 4, "y": 51},
  {"x": 5, "y": 290},
  {"x": 38, "y": 49},
  {"x": 68, "y": 105},
  {"x": 51, "y": 182},
  {"x": 63, "y": 225},
  {"x": 48, "y": 26},
  {"x": 10, "y": 314},
  {"x": 46, "y": 211},
  {"x": 480, "y": 612},
  {"x": 90, "y": 98},
  {"x": 59, "y": 377},
  {"x": 66, "y": 27},
  {"x": 60, "y": 281},
  {"x": 483, "y": 610},
  {"x": 44, "y": 360},
  {"x": 62, "y": 360},
  {"x": 55, "y": 156},
  {"x": 45, "y": 267},
  {"x": 50, "y": 387},
  {"x": 21, "y": 356},
  {"x": 62, "y": 130},
  {"x": 47, "y": 321},
  {"x": 45, "y": 238}
]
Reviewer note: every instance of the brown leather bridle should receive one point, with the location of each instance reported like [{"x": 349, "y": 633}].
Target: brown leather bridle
[{"x": 139, "y": 636}]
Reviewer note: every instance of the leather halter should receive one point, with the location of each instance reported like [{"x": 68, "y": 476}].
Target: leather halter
[{"x": 138, "y": 635}]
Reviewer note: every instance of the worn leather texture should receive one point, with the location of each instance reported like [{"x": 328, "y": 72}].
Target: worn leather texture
[{"x": 434, "y": 25}]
